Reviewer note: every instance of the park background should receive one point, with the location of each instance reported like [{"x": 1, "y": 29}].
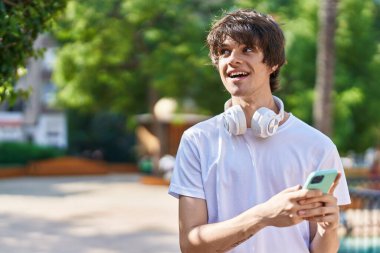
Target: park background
[{"x": 116, "y": 82}]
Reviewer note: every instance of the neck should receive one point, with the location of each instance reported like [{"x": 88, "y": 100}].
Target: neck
[
  {"x": 261, "y": 97},
  {"x": 252, "y": 103}
]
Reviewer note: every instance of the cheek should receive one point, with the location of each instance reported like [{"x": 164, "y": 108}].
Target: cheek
[
  {"x": 222, "y": 66},
  {"x": 220, "y": 70}
]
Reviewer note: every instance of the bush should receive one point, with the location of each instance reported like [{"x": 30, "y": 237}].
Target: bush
[
  {"x": 22, "y": 153},
  {"x": 102, "y": 131}
]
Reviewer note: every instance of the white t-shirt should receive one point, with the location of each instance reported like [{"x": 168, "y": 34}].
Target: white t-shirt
[{"x": 235, "y": 173}]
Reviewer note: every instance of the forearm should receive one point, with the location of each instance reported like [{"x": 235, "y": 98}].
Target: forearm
[
  {"x": 325, "y": 241},
  {"x": 223, "y": 236}
]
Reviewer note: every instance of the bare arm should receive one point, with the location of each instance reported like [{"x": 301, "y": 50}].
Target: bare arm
[
  {"x": 324, "y": 221},
  {"x": 198, "y": 236}
]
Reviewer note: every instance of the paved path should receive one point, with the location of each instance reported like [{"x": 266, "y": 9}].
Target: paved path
[{"x": 87, "y": 214}]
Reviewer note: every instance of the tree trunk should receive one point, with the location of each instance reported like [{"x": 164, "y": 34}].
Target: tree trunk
[{"x": 325, "y": 67}]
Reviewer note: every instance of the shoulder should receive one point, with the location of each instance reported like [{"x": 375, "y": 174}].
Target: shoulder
[
  {"x": 206, "y": 129},
  {"x": 303, "y": 132}
]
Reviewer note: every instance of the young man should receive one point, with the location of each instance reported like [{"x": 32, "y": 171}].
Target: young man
[{"x": 238, "y": 175}]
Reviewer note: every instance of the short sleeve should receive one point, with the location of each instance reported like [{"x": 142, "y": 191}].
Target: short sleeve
[
  {"x": 330, "y": 161},
  {"x": 187, "y": 176}
]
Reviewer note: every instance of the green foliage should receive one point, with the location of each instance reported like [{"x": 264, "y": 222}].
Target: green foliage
[
  {"x": 103, "y": 133},
  {"x": 114, "y": 53},
  {"x": 20, "y": 23},
  {"x": 356, "y": 91},
  {"x": 357, "y": 84},
  {"x": 298, "y": 76},
  {"x": 23, "y": 153}
]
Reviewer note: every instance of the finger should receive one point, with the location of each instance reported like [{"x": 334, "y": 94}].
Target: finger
[
  {"x": 293, "y": 188},
  {"x": 327, "y": 218},
  {"x": 306, "y": 193},
  {"x": 319, "y": 211},
  {"x": 326, "y": 199},
  {"x": 311, "y": 205},
  {"x": 335, "y": 184}
]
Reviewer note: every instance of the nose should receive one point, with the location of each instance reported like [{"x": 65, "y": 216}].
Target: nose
[{"x": 235, "y": 58}]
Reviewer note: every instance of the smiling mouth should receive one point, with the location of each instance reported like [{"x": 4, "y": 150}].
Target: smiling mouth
[{"x": 238, "y": 75}]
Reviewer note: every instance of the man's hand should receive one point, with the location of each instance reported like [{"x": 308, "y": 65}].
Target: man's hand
[
  {"x": 282, "y": 209},
  {"x": 324, "y": 221},
  {"x": 327, "y": 214}
]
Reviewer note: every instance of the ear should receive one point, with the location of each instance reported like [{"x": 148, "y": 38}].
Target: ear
[{"x": 274, "y": 68}]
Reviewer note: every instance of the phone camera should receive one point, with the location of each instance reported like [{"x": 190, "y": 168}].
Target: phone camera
[{"x": 317, "y": 179}]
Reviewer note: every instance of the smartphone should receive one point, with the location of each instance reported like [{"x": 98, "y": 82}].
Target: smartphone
[{"x": 321, "y": 180}]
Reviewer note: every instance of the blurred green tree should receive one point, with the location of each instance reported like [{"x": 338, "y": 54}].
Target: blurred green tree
[
  {"x": 20, "y": 23},
  {"x": 356, "y": 119},
  {"x": 122, "y": 55},
  {"x": 357, "y": 92}
]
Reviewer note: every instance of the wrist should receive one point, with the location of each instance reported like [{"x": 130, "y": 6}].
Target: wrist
[
  {"x": 262, "y": 215},
  {"x": 327, "y": 231}
]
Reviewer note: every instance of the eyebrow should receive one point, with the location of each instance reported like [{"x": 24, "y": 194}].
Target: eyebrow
[{"x": 229, "y": 45}]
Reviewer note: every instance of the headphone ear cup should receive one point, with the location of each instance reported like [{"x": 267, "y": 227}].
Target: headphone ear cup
[
  {"x": 234, "y": 120},
  {"x": 264, "y": 122}
]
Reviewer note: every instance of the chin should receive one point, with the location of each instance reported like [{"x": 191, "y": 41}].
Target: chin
[
  {"x": 233, "y": 88},
  {"x": 236, "y": 93}
]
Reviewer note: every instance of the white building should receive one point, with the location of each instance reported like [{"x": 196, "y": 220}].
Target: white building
[
  {"x": 38, "y": 121},
  {"x": 11, "y": 126},
  {"x": 50, "y": 130}
]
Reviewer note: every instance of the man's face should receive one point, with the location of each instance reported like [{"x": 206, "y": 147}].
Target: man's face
[{"x": 242, "y": 70}]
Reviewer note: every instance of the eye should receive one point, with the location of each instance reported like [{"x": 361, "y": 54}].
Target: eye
[
  {"x": 224, "y": 52},
  {"x": 248, "y": 50}
]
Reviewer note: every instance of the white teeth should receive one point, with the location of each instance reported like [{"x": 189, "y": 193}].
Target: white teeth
[{"x": 238, "y": 74}]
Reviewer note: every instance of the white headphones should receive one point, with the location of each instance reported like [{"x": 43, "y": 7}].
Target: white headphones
[{"x": 264, "y": 122}]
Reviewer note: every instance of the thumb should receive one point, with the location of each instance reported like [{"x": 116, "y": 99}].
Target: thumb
[{"x": 335, "y": 184}]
